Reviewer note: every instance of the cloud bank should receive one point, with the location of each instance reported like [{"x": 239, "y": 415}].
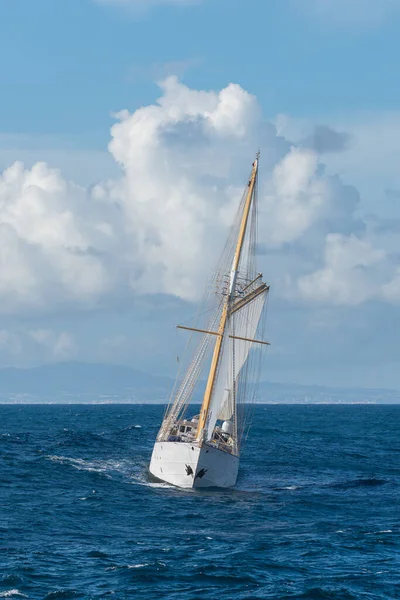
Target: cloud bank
[
  {"x": 21, "y": 346},
  {"x": 159, "y": 227}
]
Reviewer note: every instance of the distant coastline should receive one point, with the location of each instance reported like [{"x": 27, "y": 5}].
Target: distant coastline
[
  {"x": 38, "y": 402},
  {"x": 87, "y": 383}
]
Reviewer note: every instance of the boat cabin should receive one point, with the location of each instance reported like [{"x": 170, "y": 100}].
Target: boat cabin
[{"x": 185, "y": 430}]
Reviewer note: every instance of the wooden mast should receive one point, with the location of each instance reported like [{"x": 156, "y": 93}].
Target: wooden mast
[{"x": 222, "y": 324}]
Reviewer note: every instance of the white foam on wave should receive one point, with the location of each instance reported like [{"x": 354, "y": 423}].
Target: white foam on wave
[
  {"x": 96, "y": 466},
  {"x": 87, "y": 497},
  {"x": 12, "y": 593},
  {"x": 130, "y": 427},
  {"x": 141, "y": 480},
  {"x": 155, "y": 484},
  {"x": 136, "y": 566},
  {"x": 139, "y": 475},
  {"x": 82, "y": 465},
  {"x": 384, "y": 531},
  {"x": 133, "y": 472}
]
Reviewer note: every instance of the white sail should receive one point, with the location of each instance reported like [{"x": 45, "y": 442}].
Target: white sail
[{"x": 234, "y": 353}]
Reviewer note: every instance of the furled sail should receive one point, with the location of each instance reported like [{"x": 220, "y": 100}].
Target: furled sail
[{"x": 242, "y": 323}]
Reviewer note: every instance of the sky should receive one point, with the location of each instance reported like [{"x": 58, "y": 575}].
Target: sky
[{"x": 127, "y": 131}]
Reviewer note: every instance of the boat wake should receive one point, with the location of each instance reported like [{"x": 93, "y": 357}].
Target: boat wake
[
  {"x": 124, "y": 470},
  {"x": 107, "y": 468}
]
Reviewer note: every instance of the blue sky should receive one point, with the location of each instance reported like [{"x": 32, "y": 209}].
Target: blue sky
[{"x": 68, "y": 67}]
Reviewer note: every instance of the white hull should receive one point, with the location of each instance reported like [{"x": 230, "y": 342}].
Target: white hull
[{"x": 187, "y": 466}]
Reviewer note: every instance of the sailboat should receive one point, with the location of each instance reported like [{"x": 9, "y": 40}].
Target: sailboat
[{"x": 203, "y": 450}]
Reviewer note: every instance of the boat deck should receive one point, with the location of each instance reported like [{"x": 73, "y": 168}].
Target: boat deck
[{"x": 186, "y": 431}]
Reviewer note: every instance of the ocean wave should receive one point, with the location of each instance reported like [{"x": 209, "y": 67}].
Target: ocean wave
[
  {"x": 83, "y": 439},
  {"x": 87, "y": 522},
  {"x": 10, "y": 579},
  {"x": 379, "y": 532},
  {"x": 61, "y": 594},
  {"x": 322, "y": 594},
  {"x": 354, "y": 483},
  {"x": 103, "y": 467}
]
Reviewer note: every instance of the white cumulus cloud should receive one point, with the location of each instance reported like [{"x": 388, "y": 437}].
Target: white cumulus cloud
[
  {"x": 354, "y": 272},
  {"x": 24, "y": 346},
  {"x": 159, "y": 227},
  {"x": 61, "y": 346}
]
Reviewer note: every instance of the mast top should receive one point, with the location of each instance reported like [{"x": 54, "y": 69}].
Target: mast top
[{"x": 255, "y": 166}]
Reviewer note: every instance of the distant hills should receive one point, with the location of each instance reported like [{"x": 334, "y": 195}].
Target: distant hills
[{"x": 84, "y": 382}]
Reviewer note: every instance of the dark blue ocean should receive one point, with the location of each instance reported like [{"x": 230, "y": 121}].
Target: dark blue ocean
[{"x": 315, "y": 514}]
